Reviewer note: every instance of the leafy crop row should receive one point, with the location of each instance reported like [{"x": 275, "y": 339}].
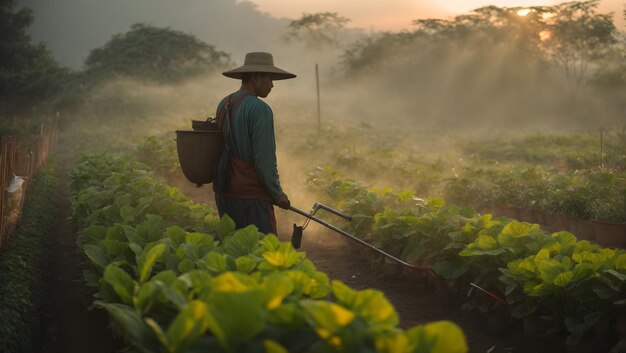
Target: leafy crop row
[
  {"x": 557, "y": 173},
  {"x": 175, "y": 278},
  {"x": 571, "y": 283},
  {"x": 563, "y": 177},
  {"x": 582, "y": 195},
  {"x": 23, "y": 264}
]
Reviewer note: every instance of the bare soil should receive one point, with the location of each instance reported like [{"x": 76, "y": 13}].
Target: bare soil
[{"x": 71, "y": 325}]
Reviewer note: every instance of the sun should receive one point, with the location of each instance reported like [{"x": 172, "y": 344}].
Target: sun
[{"x": 523, "y": 12}]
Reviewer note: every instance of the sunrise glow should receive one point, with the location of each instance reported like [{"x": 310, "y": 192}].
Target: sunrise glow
[
  {"x": 394, "y": 15},
  {"x": 545, "y": 35}
]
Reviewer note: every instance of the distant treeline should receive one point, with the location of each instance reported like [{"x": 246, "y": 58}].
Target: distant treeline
[
  {"x": 32, "y": 82},
  {"x": 515, "y": 62}
]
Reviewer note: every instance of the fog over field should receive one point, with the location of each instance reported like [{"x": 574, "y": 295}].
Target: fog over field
[{"x": 467, "y": 81}]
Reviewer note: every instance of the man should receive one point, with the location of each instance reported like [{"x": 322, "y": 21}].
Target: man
[{"x": 247, "y": 183}]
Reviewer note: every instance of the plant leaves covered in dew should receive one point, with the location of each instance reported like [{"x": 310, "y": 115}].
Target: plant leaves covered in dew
[{"x": 175, "y": 278}]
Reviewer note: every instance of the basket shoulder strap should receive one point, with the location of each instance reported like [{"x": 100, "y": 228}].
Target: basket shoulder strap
[{"x": 225, "y": 122}]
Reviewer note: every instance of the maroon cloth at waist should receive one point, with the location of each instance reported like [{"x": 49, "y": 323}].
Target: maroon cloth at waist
[{"x": 243, "y": 182}]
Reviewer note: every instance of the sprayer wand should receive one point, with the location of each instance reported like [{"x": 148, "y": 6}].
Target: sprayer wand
[{"x": 296, "y": 237}]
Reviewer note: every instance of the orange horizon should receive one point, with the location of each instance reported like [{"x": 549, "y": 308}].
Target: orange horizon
[{"x": 396, "y": 15}]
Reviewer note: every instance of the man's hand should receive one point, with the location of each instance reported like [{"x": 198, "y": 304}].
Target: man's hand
[{"x": 283, "y": 202}]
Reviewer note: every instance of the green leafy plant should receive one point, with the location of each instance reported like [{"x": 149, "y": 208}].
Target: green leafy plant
[
  {"x": 215, "y": 288},
  {"x": 574, "y": 283}
]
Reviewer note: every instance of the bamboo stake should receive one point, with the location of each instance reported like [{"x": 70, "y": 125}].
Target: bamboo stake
[
  {"x": 317, "y": 83},
  {"x": 601, "y": 148}
]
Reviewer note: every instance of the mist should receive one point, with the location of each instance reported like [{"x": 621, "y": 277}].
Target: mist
[
  {"x": 71, "y": 28},
  {"x": 473, "y": 84}
]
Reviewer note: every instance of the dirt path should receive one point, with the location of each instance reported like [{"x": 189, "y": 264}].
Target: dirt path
[{"x": 72, "y": 327}]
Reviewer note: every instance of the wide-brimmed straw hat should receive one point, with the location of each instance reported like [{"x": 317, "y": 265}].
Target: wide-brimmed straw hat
[{"x": 259, "y": 62}]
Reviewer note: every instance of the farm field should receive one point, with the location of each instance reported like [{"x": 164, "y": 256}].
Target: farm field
[
  {"x": 416, "y": 298},
  {"x": 470, "y": 171}
]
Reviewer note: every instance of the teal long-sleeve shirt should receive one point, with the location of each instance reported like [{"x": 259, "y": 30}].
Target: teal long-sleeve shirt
[{"x": 253, "y": 139}]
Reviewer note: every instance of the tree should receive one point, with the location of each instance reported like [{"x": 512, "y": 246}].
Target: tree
[
  {"x": 29, "y": 75},
  {"x": 154, "y": 54},
  {"x": 576, "y": 36},
  {"x": 318, "y": 30}
]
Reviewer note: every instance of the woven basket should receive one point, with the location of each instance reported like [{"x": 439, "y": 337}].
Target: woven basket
[
  {"x": 197, "y": 153},
  {"x": 204, "y": 125}
]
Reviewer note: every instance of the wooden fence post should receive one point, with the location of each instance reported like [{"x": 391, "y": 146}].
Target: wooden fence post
[
  {"x": 16, "y": 158},
  {"x": 3, "y": 172}
]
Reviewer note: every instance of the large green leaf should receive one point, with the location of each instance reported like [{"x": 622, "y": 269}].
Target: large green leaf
[
  {"x": 566, "y": 240},
  {"x": 301, "y": 282},
  {"x": 246, "y": 264},
  {"x": 620, "y": 262},
  {"x": 121, "y": 282},
  {"x": 167, "y": 277},
  {"x": 319, "y": 287},
  {"x": 97, "y": 255},
  {"x": 186, "y": 265},
  {"x": 396, "y": 342},
  {"x": 200, "y": 281},
  {"x": 451, "y": 271},
  {"x": 277, "y": 286},
  {"x": 136, "y": 248},
  {"x": 327, "y": 315},
  {"x": 224, "y": 226},
  {"x": 620, "y": 276},
  {"x": 448, "y": 337},
  {"x": 369, "y": 304},
  {"x": 93, "y": 234},
  {"x": 583, "y": 271},
  {"x": 204, "y": 242},
  {"x": 287, "y": 314},
  {"x": 270, "y": 243},
  {"x": 132, "y": 327},
  {"x": 148, "y": 260},
  {"x": 215, "y": 263},
  {"x": 515, "y": 231},
  {"x": 145, "y": 297},
  {"x": 172, "y": 293},
  {"x": 436, "y": 202},
  {"x": 189, "y": 325},
  {"x": 176, "y": 235},
  {"x": 549, "y": 269},
  {"x": 599, "y": 257},
  {"x": 283, "y": 258},
  {"x": 243, "y": 242},
  {"x": 117, "y": 232},
  {"x": 563, "y": 279},
  {"x": 483, "y": 245},
  {"x": 237, "y": 314},
  {"x": 188, "y": 251},
  {"x": 115, "y": 248},
  {"x": 274, "y": 347},
  {"x": 128, "y": 213},
  {"x": 578, "y": 327}
]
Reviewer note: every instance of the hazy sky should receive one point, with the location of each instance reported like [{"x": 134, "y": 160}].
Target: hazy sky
[
  {"x": 71, "y": 28},
  {"x": 398, "y": 14}
]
